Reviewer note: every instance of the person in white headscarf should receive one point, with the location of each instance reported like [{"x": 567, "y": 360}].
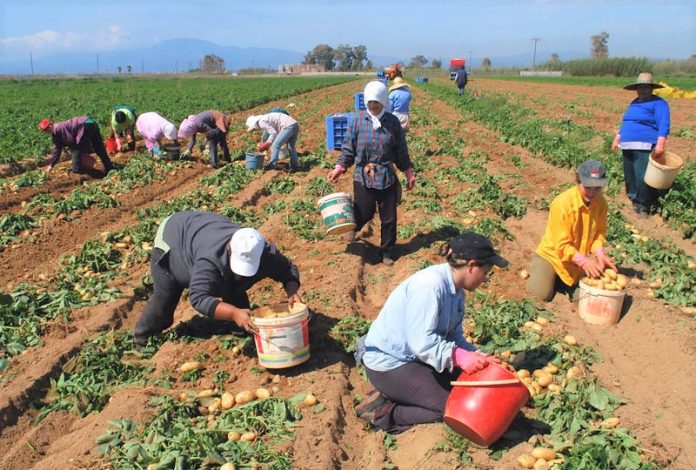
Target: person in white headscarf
[
  {"x": 375, "y": 143},
  {"x": 153, "y": 127}
]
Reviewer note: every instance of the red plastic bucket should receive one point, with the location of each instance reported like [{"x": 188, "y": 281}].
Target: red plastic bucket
[
  {"x": 87, "y": 161},
  {"x": 483, "y": 413},
  {"x": 110, "y": 145}
]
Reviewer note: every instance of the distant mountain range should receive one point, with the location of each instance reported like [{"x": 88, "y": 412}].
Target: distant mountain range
[{"x": 178, "y": 55}]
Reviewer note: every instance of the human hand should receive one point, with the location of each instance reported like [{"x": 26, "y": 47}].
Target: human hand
[
  {"x": 294, "y": 298},
  {"x": 588, "y": 265},
  {"x": 410, "y": 179},
  {"x": 615, "y": 144},
  {"x": 185, "y": 154},
  {"x": 119, "y": 144},
  {"x": 469, "y": 361},
  {"x": 243, "y": 320},
  {"x": 335, "y": 173},
  {"x": 263, "y": 146},
  {"x": 660, "y": 147},
  {"x": 604, "y": 260}
]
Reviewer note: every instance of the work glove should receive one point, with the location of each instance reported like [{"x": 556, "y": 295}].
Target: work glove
[
  {"x": 660, "y": 147},
  {"x": 588, "y": 265},
  {"x": 469, "y": 361},
  {"x": 603, "y": 259},
  {"x": 185, "y": 154},
  {"x": 336, "y": 172},
  {"x": 157, "y": 151},
  {"x": 263, "y": 146},
  {"x": 410, "y": 178},
  {"x": 615, "y": 144}
]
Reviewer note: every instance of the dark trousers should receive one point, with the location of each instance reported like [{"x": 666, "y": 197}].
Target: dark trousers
[
  {"x": 367, "y": 201},
  {"x": 220, "y": 138},
  {"x": 159, "y": 311},
  {"x": 418, "y": 391},
  {"x": 91, "y": 141},
  {"x": 635, "y": 163}
]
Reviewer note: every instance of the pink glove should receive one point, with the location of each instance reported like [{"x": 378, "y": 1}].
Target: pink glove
[
  {"x": 410, "y": 178},
  {"x": 469, "y": 361},
  {"x": 119, "y": 144},
  {"x": 615, "y": 144},
  {"x": 587, "y": 264},
  {"x": 660, "y": 147},
  {"x": 336, "y": 172},
  {"x": 263, "y": 146}
]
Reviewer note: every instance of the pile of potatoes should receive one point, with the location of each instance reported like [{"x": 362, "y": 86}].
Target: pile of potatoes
[
  {"x": 610, "y": 280},
  {"x": 540, "y": 458}
]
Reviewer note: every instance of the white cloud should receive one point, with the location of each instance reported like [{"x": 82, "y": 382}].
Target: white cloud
[{"x": 50, "y": 41}]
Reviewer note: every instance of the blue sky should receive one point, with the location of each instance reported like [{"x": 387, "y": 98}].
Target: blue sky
[{"x": 396, "y": 28}]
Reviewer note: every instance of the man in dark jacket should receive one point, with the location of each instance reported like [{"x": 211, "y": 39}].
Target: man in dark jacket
[
  {"x": 81, "y": 135},
  {"x": 461, "y": 79},
  {"x": 217, "y": 261}
]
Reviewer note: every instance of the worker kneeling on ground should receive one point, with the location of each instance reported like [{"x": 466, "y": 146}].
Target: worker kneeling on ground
[
  {"x": 215, "y": 259},
  {"x": 576, "y": 233}
]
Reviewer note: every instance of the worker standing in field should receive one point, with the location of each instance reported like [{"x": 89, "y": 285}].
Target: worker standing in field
[
  {"x": 215, "y": 125},
  {"x": 122, "y": 128},
  {"x": 400, "y": 101},
  {"x": 217, "y": 261},
  {"x": 576, "y": 233},
  {"x": 281, "y": 129},
  {"x": 416, "y": 345},
  {"x": 153, "y": 127},
  {"x": 461, "y": 79},
  {"x": 81, "y": 135},
  {"x": 375, "y": 142},
  {"x": 644, "y": 130}
]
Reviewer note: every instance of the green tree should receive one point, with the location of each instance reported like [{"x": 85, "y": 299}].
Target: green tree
[
  {"x": 418, "y": 61},
  {"x": 360, "y": 56},
  {"x": 212, "y": 64},
  {"x": 600, "y": 47},
  {"x": 344, "y": 57},
  {"x": 486, "y": 63},
  {"x": 322, "y": 54},
  {"x": 436, "y": 63}
]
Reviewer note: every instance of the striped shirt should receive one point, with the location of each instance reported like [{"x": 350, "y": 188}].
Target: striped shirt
[{"x": 373, "y": 151}]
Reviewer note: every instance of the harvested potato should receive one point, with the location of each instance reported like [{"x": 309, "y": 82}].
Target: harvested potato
[
  {"x": 554, "y": 388},
  {"x": 310, "y": 400},
  {"x": 528, "y": 324},
  {"x": 600, "y": 284},
  {"x": 522, "y": 373},
  {"x": 545, "y": 380},
  {"x": 551, "y": 368},
  {"x": 244, "y": 397},
  {"x": 209, "y": 392},
  {"x": 610, "y": 273},
  {"x": 609, "y": 423},
  {"x": 621, "y": 281},
  {"x": 527, "y": 380},
  {"x": 573, "y": 372},
  {"x": 570, "y": 340},
  {"x": 233, "y": 436},
  {"x": 248, "y": 436},
  {"x": 524, "y": 274},
  {"x": 543, "y": 453},
  {"x": 214, "y": 406},
  {"x": 189, "y": 366},
  {"x": 227, "y": 466},
  {"x": 542, "y": 321},
  {"x": 541, "y": 464},
  {"x": 526, "y": 461},
  {"x": 536, "y": 327},
  {"x": 227, "y": 401},
  {"x": 691, "y": 265},
  {"x": 262, "y": 393}
]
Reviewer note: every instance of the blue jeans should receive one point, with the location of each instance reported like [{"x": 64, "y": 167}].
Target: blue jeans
[
  {"x": 635, "y": 162},
  {"x": 286, "y": 136}
]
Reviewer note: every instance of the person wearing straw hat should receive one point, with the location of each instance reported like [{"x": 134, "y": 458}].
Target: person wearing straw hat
[
  {"x": 217, "y": 261},
  {"x": 81, "y": 135},
  {"x": 153, "y": 127},
  {"x": 375, "y": 142},
  {"x": 416, "y": 345},
  {"x": 400, "y": 101},
  {"x": 215, "y": 125},
  {"x": 575, "y": 236},
  {"x": 644, "y": 130},
  {"x": 281, "y": 129}
]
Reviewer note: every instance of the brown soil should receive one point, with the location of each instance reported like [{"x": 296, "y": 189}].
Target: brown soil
[{"x": 648, "y": 355}]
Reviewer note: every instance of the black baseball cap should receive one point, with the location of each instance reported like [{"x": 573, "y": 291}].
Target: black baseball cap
[
  {"x": 472, "y": 246},
  {"x": 593, "y": 173}
]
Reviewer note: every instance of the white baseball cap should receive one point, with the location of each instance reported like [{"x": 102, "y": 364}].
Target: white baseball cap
[{"x": 246, "y": 247}]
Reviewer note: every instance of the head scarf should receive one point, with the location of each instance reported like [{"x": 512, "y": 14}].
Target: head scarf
[
  {"x": 252, "y": 122},
  {"x": 188, "y": 128},
  {"x": 169, "y": 131},
  {"x": 376, "y": 91}
]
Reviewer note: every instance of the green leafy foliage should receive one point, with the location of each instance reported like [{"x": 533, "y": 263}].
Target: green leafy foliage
[{"x": 347, "y": 331}]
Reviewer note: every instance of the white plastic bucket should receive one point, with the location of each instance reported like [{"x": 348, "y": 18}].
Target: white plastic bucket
[
  {"x": 661, "y": 175},
  {"x": 600, "y": 306},
  {"x": 337, "y": 213},
  {"x": 282, "y": 338}
]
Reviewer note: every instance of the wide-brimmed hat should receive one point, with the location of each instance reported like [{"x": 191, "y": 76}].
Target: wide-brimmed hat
[
  {"x": 252, "y": 123},
  {"x": 399, "y": 83},
  {"x": 644, "y": 78}
]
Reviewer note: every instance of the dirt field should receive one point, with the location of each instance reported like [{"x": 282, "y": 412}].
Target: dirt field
[{"x": 648, "y": 356}]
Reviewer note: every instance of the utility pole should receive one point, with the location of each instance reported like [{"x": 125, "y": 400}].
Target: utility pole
[
  {"x": 31, "y": 63},
  {"x": 97, "y": 64},
  {"x": 471, "y": 53},
  {"x": 536, "y": 40},
  {"x": 176, "y": 66},
  {"x": 142, "y": 65}
]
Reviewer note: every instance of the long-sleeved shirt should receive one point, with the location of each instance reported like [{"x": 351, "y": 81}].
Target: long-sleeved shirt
[
  {"x": 374, "y": 150},
  {"x": 66, "y": 134},
  {"x": 208, "y": 121},
  {"x": 420, "y": 321},
  {"x": 643, "y": 123},
  {"x": 125, "y": 125},
  {"x": 572, "y": 228},
  {"x": 461, "y": 78},
  {"x": 151, "y": 126},
  {"x": 400, "y": 100},
  {"x": 273, "y": 123},
  {"x": 199, "y": 259}
]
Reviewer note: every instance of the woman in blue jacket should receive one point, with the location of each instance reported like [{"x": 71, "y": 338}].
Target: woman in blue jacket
[{"x": 645, "y": 129}]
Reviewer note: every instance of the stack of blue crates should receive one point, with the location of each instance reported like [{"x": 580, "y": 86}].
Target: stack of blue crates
[
  {"x": 359, "y": 101},
  {"x": 380, "y": 73},
  {"x": 421, "y": 79},
  {"x": 336, "y": 129}
]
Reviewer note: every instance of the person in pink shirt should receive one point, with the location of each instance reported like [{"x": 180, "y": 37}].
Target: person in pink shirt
[
  {"x": 281, "y": 129},
  {"x": 153, "y": 127}
]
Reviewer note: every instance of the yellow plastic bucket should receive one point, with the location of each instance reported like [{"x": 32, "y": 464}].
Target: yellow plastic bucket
[
  {"x": 661, "y": 175},
  {"x": 337, "y": 213},
  {"x": 282, "y": 335},
  {"x": 600, "y": 306}
]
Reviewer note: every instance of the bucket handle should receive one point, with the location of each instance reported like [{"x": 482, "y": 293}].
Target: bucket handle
[
  {"x": 480, "y": 383},
  {"x": 583, "y": 294}
]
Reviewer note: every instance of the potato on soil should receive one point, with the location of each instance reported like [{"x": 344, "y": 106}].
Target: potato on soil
[
  {"x": 545, "y": 380},
  {"x": 542, "y": 321},
  {"x": 244, "y": 397},
  {"x": 227, "y": 466},
  {"x": 541, "y": 464},
  {"x": 573, "y": 372},
  {"x": 189, "y": 366},
  {"x": 526, "y": 461},
  {"x": 208, "y": 392},
  {"x": 248, "y": 436},
  {"x": 522, "y": 373},
  {"x": 227, "y": 401},
  {"x": 524, "y": 274},
  {"x": 262, "y": 393},
  {"x": 309, "y": 400},
  {"x": 609, "y": 423},
  {"x": 570, "y": 340},
  {"x": 543, "y": 453},
  {"x": 233, "y": 436},
  {"x": 551, "y": 368}
]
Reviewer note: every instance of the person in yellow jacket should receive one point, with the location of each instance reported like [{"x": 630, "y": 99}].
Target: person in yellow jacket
[{"x": 576, "y": 232}]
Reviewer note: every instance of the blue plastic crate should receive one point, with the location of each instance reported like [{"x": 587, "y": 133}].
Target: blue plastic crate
[
  {"x": 336, "y": 129},
  {"x": 421, "y": 79},
  {"x": 380, "y": 73},
  {"x": 359, "y": 101}
]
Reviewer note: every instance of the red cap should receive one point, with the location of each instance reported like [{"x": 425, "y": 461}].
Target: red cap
[{"x": 43, "y": 125}]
